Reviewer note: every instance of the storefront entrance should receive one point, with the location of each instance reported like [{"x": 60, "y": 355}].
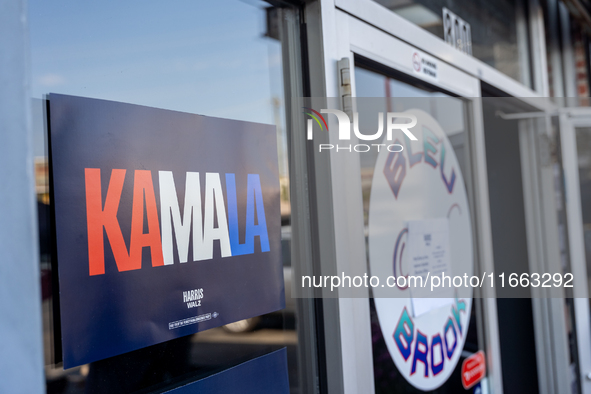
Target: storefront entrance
[{"x": 575, "y": 138}]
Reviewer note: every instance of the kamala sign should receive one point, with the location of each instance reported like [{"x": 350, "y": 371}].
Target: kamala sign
[
  {"x": 167, "y": 224},
  {"x": 204, "y": 232}
]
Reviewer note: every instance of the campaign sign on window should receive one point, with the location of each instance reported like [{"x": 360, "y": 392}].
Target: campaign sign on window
[{"x": 167, "y": 224}]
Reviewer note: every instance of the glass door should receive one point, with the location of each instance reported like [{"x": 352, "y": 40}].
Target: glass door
[
  {"x": 432, "y": 162},
  {"x": 575, "y": 138},
  {"x": 399, "y": 346}
]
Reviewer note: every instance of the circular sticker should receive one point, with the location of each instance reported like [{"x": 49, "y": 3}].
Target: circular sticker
[{"x": 419, "y": 225}]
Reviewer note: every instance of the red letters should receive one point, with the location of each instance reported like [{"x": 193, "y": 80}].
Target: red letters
[
  {"x": 99, "y": 218},
  {"x": 143, "y": 184}
]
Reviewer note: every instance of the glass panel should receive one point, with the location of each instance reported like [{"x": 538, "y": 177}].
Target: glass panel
[
  {"x": 498, "y": 29},
  {"x": 509, "y": 241},
  {"x": 220, "y": 58},
  {"x": 451, "y": 114}
]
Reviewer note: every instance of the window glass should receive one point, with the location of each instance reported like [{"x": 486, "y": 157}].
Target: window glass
[
  {"x": 498, "y": 29},
  {"x": 451, "y": 114},
  {"x": 215, "y": 58}
]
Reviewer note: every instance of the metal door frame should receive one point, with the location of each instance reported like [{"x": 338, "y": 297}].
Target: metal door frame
[
  {"x": 338, "y": 29},
  {"x": 569, "y": 121},
  {"x": 343, "y": 36}
]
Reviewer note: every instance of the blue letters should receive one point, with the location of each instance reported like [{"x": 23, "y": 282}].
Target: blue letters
[
  {"x": 429, "y": 137},
  {"x": 404, "y": 329},
  {"x": 395, "y": 170},
  {"x": 436, "y": 368},
  {"x": 413, "y": 158},
  {"x": 448, "y": 184},
  {"x": 254, "y": 203},
  {"x": 460, "y": 306},
  {"x": 420, "y": 355}
]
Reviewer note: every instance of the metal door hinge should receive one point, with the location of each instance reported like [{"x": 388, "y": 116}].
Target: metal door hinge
[{"x": 344, "y": 74}]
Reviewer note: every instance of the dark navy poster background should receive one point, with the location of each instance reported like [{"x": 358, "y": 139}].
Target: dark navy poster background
[
  {"x": 117, "y": 312},
  {"x": 264, "y": 374}
]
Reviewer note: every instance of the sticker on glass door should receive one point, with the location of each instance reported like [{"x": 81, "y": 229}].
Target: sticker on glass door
[
  {"x": 425, "y": 66},
  {"x": 420, "y": 227}
]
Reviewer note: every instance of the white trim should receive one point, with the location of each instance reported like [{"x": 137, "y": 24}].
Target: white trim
[
  {"x": 538, "y": 49},
  {"x": 352, "y": 316},
  {"x": 350, "y": 243}
]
